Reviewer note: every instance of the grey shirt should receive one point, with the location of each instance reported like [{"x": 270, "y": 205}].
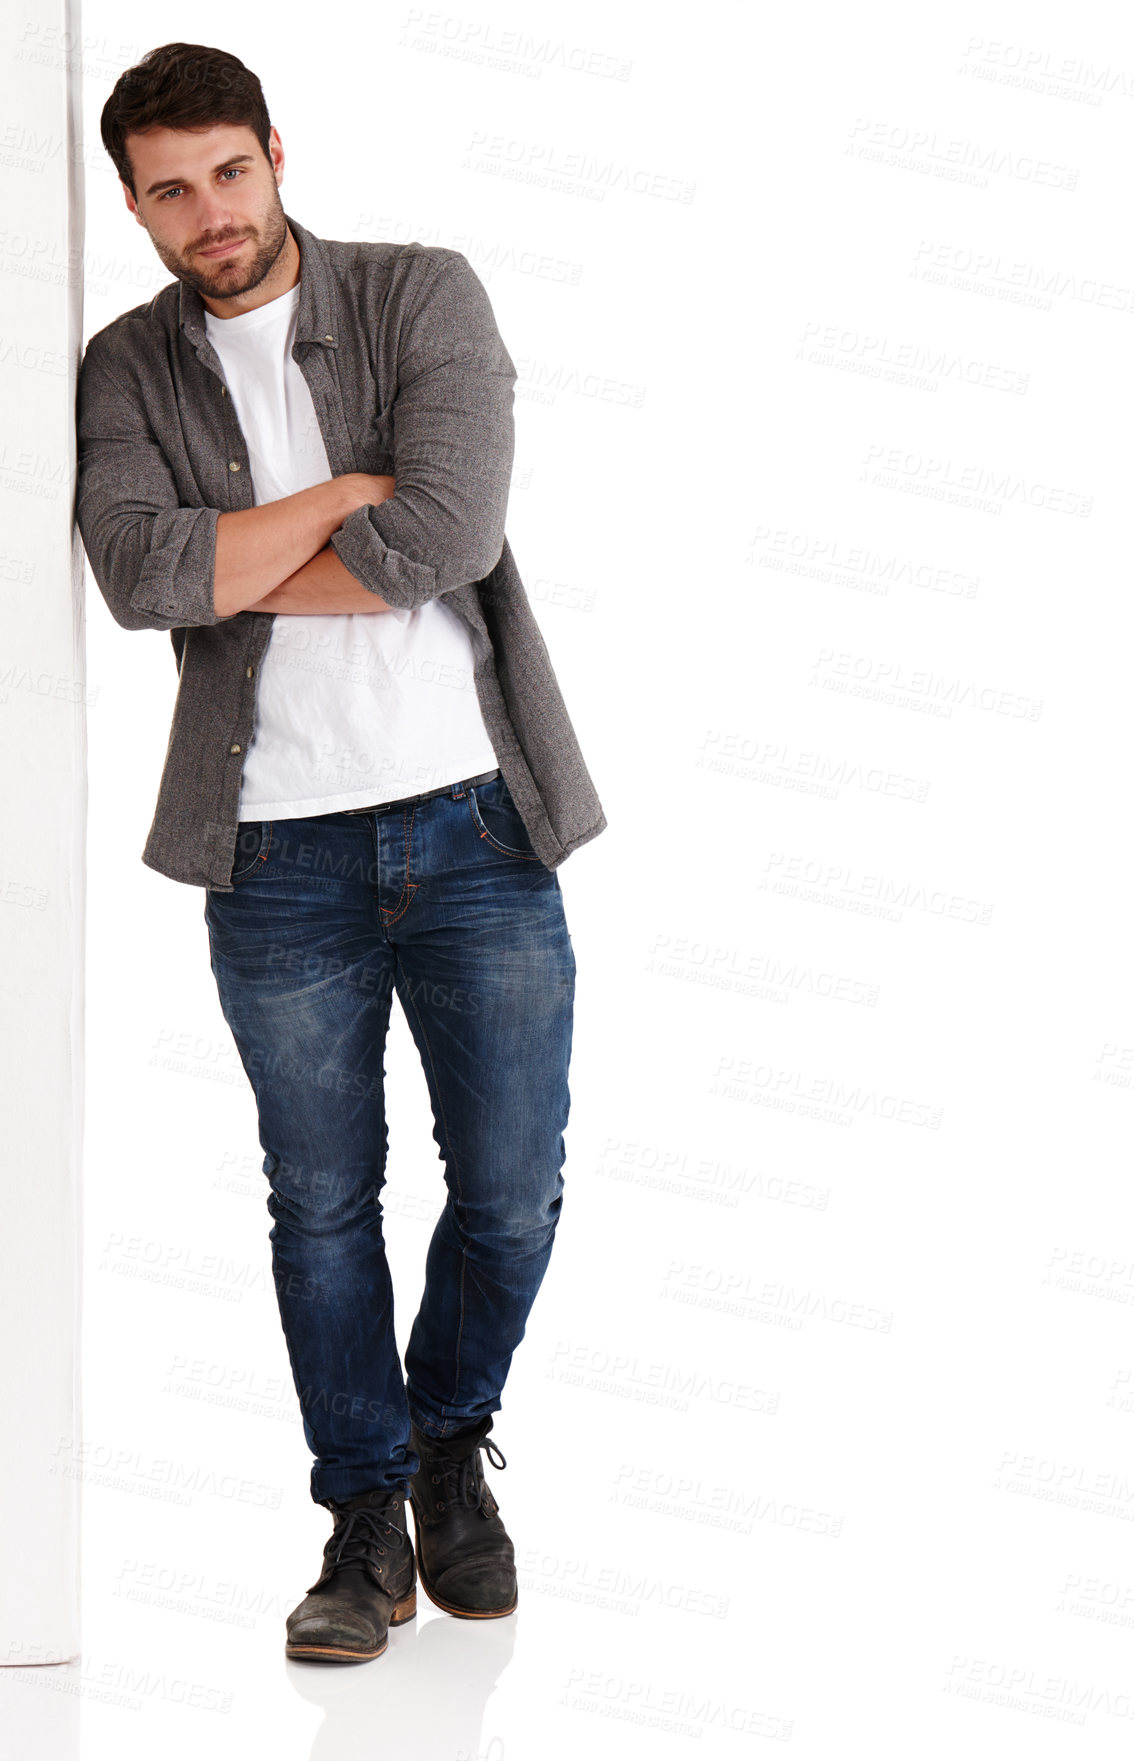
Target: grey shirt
[{"x": 409, "y": 378}]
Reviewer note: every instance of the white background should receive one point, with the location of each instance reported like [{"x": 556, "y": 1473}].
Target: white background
[{"x": 823, "y": 1429}]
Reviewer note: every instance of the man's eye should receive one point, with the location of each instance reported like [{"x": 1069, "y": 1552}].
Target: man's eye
[{"x": 236, "y": 170}]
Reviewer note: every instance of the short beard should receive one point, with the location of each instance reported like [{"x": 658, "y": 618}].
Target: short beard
[{"x": 220, "y": 283}]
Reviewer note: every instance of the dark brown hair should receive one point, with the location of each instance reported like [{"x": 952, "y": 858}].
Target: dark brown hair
[{"x": 181, "y": 85}]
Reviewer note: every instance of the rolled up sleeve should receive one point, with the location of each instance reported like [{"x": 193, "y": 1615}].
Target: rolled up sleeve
[
  {"x": 453, "y": 439},
  {"x": 153, "y": 560}
]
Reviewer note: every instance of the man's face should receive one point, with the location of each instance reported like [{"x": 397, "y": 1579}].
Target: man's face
[{"x": 199, "y": 189}]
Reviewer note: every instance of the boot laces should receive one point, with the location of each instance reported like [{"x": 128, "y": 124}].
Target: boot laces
[
  {"x": 462, "y": 1477},
  {"x": 358, "y": 1537}
]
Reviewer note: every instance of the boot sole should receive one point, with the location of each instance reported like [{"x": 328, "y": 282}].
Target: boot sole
[
  {"x": 466, "y": 1613},
  {"x": 403, "y": 1611}
]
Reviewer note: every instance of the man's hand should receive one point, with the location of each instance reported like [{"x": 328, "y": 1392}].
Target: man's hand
[
  {"x": 366, "y": 489},
  {"x": 323, "y": 584}
]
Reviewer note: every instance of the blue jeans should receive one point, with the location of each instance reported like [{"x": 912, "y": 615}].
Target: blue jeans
[{"x": 443, "y": 900}]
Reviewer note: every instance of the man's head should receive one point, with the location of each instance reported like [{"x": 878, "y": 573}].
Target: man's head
[{"x": 200, "y": 165}]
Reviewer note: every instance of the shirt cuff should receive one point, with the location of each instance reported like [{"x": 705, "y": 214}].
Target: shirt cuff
[
  {"x": 395, "y": 578},
  {"x": 176, "y": 577}
]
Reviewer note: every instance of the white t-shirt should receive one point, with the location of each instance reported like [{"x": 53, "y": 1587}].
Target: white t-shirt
[{"x": 351, "y": 707}]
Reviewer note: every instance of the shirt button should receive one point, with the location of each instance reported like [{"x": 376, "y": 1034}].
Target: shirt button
[
  {"x": 234, "y": 464},
  {"x": 234, "y": 748},
  {"x": 223, "y": 390},
  {"x": 248, "y": 674},
  {"x": 328, "y": 339}
]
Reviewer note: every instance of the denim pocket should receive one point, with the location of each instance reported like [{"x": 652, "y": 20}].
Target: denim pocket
[
  {"x": 498, "y": 820},
  {"x": 253, "y": 837}
]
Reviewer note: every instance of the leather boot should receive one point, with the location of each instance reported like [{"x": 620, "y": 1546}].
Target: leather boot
[
  {"x": 465, "y": 1559},
  {"x": 366, "y": 1585}
]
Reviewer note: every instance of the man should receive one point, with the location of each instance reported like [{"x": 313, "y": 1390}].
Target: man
[{"x": 295, "y": 458}]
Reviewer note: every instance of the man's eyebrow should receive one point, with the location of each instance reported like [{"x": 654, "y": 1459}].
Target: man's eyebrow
[{"x": 169, "y": 182}]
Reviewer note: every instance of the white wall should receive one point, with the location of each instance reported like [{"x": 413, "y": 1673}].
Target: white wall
[{"x": 43, "y": 818}]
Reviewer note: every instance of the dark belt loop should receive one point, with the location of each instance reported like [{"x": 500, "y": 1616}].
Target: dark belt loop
[{"x": 459, "y": 790}]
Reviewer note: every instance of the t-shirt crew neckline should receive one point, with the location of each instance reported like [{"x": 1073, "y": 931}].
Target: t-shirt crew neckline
[{"x": 259, "y": 315}]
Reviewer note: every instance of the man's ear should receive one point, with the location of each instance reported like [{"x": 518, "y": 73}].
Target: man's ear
[
  {"x": 130, "y": 202},
  {"x": 276, "y": 164}
]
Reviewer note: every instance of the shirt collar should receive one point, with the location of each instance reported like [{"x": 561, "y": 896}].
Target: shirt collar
[{"x": 315, "y": 321}]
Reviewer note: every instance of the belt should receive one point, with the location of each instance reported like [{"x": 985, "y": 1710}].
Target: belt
[{"x": 485, "y": 776}]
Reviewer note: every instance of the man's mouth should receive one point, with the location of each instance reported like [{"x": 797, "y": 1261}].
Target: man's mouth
[{"x": 222, "y": 250}]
